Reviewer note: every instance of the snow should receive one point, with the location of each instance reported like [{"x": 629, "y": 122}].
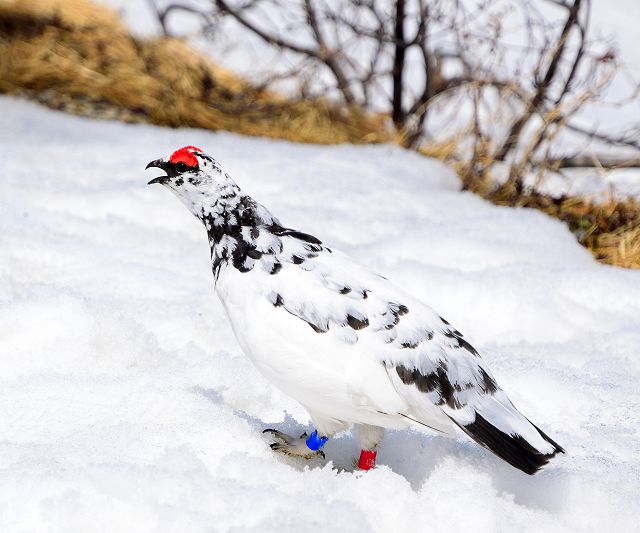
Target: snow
[{"x": 127, "y": 404}]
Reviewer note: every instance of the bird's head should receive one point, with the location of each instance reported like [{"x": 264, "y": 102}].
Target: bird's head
[{"x": 194, "y": 177}]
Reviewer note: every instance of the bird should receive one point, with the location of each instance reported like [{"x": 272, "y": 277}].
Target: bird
[{"x": 353, "y": 348}]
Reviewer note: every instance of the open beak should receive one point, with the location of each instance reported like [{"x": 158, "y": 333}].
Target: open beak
[{"x": 158, "y": 163}]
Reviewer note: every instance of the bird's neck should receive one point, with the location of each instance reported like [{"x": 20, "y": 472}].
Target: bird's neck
[{"x": 233, "y": 222}]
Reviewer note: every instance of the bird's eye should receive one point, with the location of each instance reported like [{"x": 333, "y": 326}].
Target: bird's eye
[{"x": 182, "y": 167}]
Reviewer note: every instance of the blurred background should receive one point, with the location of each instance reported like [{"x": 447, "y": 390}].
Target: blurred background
[{"x": 534, "y": 102}]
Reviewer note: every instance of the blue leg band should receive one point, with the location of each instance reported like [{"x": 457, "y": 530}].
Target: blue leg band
[{"x": 314, "y": 442}]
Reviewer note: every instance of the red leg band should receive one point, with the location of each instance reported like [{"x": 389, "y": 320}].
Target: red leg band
[{"x": 367, "y": 459}]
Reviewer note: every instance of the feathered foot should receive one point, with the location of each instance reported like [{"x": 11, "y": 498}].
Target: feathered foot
[
  {"x": 367, "y": 460},
  {"x": 295, "y": 447}
]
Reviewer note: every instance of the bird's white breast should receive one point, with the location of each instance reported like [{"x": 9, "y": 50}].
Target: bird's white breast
[{"x": 322, "y": 372}]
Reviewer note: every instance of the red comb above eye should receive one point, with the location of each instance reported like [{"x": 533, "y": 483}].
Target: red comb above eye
[{"x": 185, "y": 155}]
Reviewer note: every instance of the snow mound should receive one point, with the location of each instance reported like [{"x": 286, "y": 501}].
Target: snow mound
[{"x": 127, "y": 404}]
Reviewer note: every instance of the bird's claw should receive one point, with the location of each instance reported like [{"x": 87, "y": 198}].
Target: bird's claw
[
  {"x": 293, "y": 451},
  {"x": 294, "y": 447},
  {"x": 278, "y": 435}
]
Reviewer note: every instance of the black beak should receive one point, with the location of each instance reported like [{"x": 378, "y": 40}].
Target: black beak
[{"x": 158, "y": 163}]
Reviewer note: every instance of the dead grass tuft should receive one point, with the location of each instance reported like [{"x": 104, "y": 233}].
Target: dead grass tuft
[{"x": 75, "y": 55}]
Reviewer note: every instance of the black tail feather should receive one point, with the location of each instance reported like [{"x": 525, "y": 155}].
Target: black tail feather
[{"x": 514, "y": 449}]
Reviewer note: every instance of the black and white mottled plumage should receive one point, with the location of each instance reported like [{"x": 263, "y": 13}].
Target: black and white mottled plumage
[{"x": 345, "y": 342}]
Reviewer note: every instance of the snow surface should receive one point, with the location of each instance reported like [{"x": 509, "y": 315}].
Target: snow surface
[{"x": 127, "y": 405}]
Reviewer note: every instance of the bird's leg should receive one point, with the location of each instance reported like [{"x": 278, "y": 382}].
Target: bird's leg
[
  {"x": 369, "y": 437},
  {"x": 307, "y": 446}
]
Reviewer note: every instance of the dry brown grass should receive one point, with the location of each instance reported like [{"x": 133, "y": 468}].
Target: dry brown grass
[{"x": 77, "y": 56}]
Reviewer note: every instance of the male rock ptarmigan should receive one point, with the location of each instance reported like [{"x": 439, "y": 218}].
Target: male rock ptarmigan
[{"x": 345, "y": 342}]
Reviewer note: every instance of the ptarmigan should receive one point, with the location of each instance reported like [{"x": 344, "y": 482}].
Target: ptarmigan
[{"x": 345, "y": 342}]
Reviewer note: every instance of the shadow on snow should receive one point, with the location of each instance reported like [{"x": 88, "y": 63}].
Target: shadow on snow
[{"x": 415, "y": 455}]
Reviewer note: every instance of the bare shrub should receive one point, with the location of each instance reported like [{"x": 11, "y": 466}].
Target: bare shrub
[{"x": 499, "y": 82}]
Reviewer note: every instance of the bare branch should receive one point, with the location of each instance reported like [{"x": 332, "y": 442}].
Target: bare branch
[
  {"x": 630, "y": 139},
  {"x": 542, "y": 85},
  {"x": 267, "y": 37},
  {"x": 592, "y": 161},
  {"x": 397, "y": 112},
  {"x": 163, "y": 14},
  {"x": 328, "y": 56}
]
